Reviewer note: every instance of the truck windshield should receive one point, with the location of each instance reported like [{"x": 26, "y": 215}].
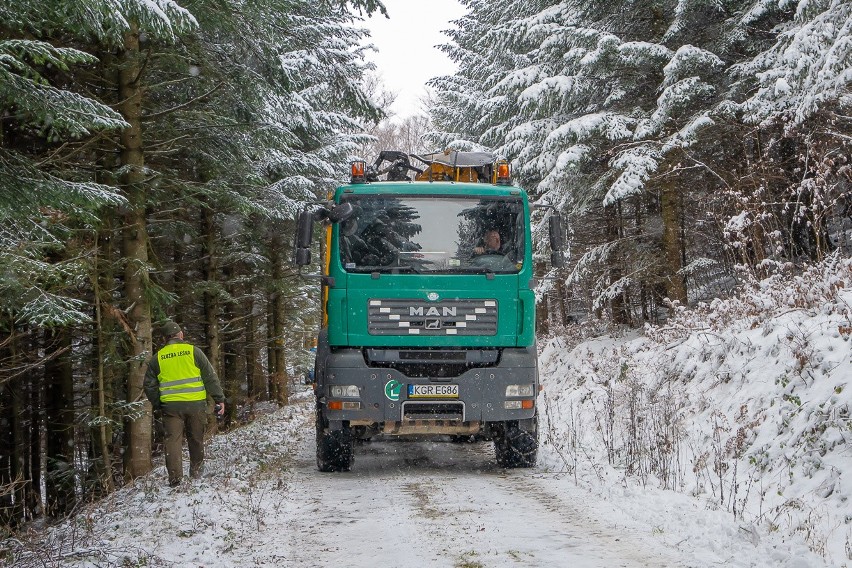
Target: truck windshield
[{"x": 435, "y": 234}]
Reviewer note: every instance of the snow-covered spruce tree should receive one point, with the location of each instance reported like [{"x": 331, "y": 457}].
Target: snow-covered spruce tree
[
  {"x": 629, "y": 120},
  {"x": 43, "y": 206},
  {"x": 486, "y": 48},
  {"x": 574, "y": 97},
  {"x": 258, "y": 116},
  {"x": 39, "y": 116},
  {"x": 107, "y": 28}
]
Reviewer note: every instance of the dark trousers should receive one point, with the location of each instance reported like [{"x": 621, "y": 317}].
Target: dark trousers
[{"x": 175, "y": 423}]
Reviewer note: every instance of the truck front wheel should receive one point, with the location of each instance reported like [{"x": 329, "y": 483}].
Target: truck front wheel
[
  {"x": 334, "y": 447},
  {"x": 514, "y": 447}
]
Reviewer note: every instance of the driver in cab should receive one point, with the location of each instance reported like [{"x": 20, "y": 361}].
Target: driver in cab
[{"x": 491, "y": 243}]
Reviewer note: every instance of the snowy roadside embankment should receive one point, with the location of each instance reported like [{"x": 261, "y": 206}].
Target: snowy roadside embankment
[
  {"x": 744, "y": 404},
  {"x": 207, "y": 522}
]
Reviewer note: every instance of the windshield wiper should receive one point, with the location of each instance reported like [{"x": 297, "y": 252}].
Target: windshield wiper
[
  {"x": 404, "y": 269},
  {"x": 476, "y": 270}
]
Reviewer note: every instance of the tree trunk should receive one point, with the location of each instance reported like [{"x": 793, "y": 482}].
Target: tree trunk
[
  {"x": 254, "y": 370},
  {"x": 670, "y": 205},
  {"x": 562, "y": 301},
  {"x": 59, "y": 424},
  {"x": 12, "y": 440},
  {"x": 619, "y": 307},
  {"x": 135, "y": 250},
  {"x": 234, "y": 367},
  {"x": 32, "y": 413},
  {"x": 101, "y": 434},
  {"x": 105, "y": 352},
  {"x": 278, "y": 369},
  {"x": 210, "y": 262},
  {"x": 8, "y": 513},
  {"x": 212, "y": 305}
]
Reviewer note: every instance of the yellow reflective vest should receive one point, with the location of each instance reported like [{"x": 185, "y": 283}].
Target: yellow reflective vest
[{"x": 179, "y": 378}]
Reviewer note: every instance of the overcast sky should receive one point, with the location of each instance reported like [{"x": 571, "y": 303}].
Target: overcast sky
[{"x": 407, "y": 55}]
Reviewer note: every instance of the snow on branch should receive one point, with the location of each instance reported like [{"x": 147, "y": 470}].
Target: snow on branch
[
  {"x": 548, "y": 88},
  {"x": 28, "y": 188},
  {"x": 45, "y": 309},
  {"x": 165, "y": 19},
  {"x": 106, "y": 20},
  {"x": 597, "y": 255},
  {"x": 519, "y": 79},
  {"x": 559, "y": 168},
  {"x": 644, "y": 54},
  {"x": 674, "y": 100},
  {"x": 809, "y": 65},
  {"x": 56, "y": 111},
  {"x": 691, "y": 61},
  {"x": 688, "y": 135},
  {"x": 698, "y": 264},
  {"x": 611, "y": 292},
  {"x": 602, "y": 124},
  {"x": 637, "y": 165}
]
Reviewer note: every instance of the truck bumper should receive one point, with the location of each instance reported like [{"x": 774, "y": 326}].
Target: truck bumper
[{"x": 384, "y": 395}]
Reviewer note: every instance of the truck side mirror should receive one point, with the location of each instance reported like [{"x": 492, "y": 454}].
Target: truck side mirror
[
  {"x": 304, "y": 229},
  {"x": 304, "y": 233},
  {"x": 557, "y": 240}
]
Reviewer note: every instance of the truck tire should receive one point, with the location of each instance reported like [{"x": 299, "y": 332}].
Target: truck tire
[
  {"x": 334, "y": 447},
  {"x": 514, "y": 447}
]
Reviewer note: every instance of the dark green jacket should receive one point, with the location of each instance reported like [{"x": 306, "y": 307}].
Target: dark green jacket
[{"x": 208, "y": 376}]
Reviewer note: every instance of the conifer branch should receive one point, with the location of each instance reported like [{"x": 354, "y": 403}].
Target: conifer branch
[{"x": 184, "y": 105}]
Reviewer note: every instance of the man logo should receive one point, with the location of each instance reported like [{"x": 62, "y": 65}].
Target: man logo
[
  {"x": 433, "y": 311},
  {"x": 433, "y": 324}
]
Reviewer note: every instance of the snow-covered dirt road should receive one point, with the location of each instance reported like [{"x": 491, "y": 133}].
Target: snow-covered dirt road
[
  {"x": 436, "y": 503},
  {"x": 427, "y": 503}
]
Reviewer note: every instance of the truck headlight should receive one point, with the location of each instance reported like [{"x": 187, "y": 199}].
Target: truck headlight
[
  {"x": 519, "y": 390},
  {"x": 341, "y": 391}
]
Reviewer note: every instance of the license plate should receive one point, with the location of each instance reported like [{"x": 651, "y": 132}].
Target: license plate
[{"x": 433, "y": 391}]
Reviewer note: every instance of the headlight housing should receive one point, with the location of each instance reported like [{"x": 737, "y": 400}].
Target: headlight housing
[
  {"x": 520, "y": 390},
  {"x": 345, "y": 391}
]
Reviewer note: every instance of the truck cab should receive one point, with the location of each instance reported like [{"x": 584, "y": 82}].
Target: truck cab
[{"x": 428, "y": 308}]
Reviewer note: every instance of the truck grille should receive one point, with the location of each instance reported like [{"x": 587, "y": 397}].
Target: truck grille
[{"x": 419, "y": 317}]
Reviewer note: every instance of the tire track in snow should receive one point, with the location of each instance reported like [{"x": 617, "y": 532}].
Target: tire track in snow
[{"x": 410, "y": 504}]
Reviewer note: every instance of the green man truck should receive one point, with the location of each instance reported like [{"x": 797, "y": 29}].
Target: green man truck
[{"x": 428, "y": 306}]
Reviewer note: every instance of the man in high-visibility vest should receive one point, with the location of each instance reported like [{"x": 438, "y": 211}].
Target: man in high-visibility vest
[{"x": 177, "y": 382}]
